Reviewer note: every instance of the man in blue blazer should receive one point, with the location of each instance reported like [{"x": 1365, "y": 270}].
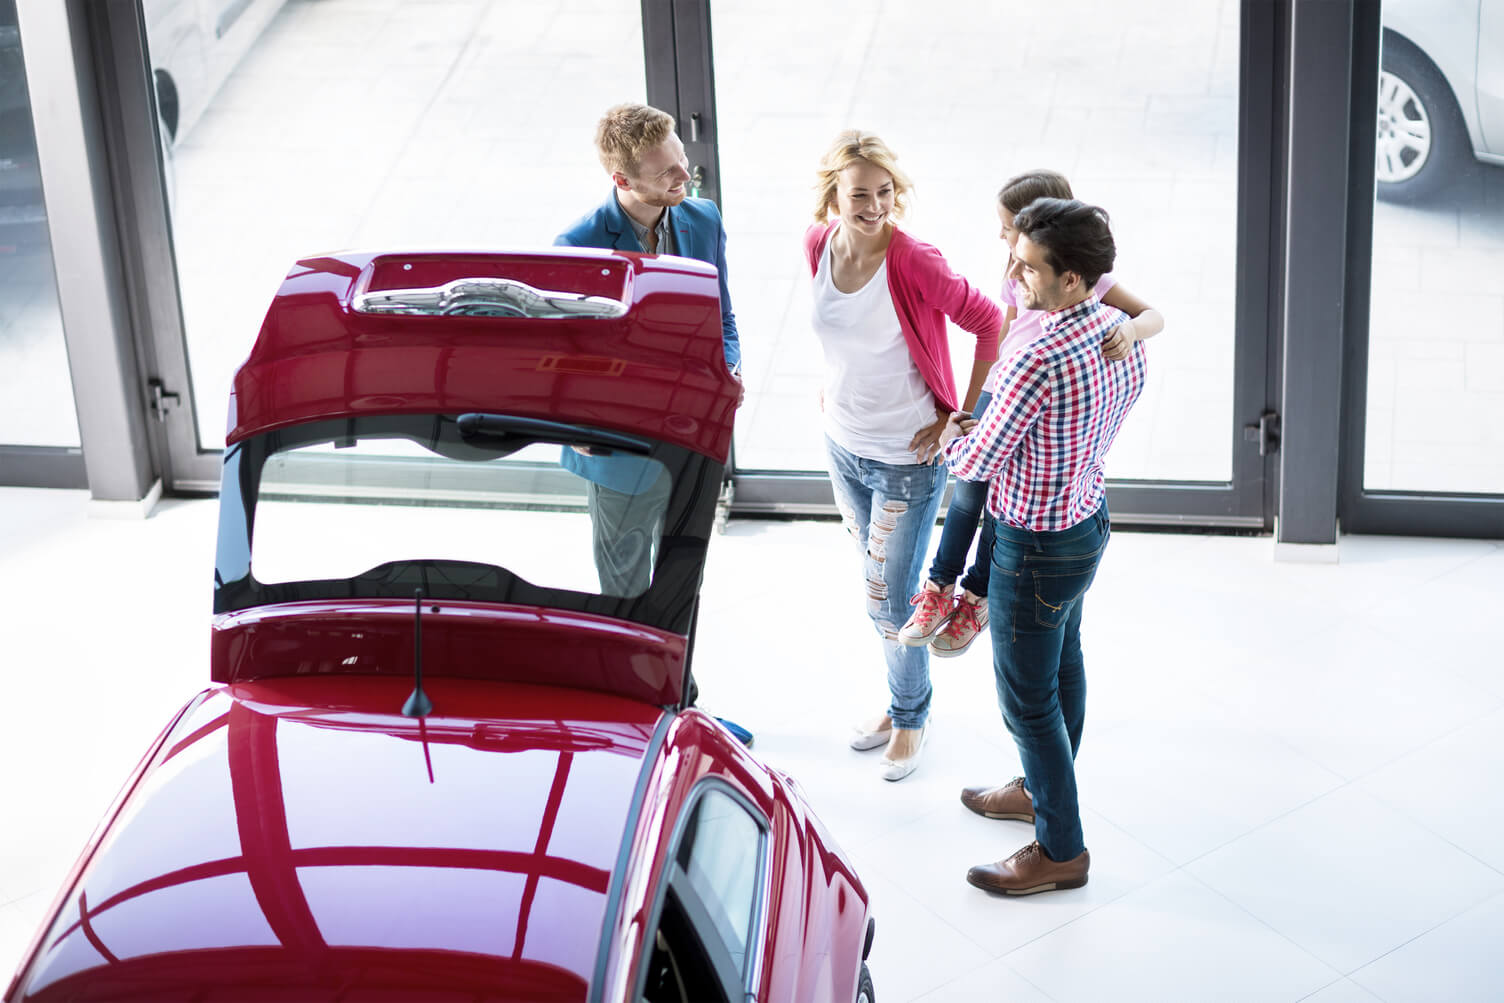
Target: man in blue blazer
[{"x": 649, "y": 210}]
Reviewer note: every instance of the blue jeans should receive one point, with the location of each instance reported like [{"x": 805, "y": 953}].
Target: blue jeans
[
  {"x": 1038, "y": 583},
  {"x": 968, "y": 506},
  {"x": 890, "y": 510}
]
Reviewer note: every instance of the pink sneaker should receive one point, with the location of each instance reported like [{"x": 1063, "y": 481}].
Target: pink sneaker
[
  {"x": 933, "y": 610},
  {"x": 968, "y": 620}
]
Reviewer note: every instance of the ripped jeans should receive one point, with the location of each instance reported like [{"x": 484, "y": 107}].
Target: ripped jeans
[{"x": 890, "y": 510}]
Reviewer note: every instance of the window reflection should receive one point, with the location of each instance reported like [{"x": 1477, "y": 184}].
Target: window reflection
[
  {"x": 721, "y": 856},
  {"x": 152, "y": 923}
]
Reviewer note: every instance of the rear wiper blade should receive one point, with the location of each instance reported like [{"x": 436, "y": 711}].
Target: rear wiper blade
[{"x": 503, "y": 430}]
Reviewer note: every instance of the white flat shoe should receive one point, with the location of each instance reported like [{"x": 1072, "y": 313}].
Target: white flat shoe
[
  {"x": 862, "y": 740},
  {"x": 897, "y": 769}
]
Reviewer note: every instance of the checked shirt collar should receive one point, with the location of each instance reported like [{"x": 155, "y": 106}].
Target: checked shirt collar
[{"x": 1071, "y": 316}]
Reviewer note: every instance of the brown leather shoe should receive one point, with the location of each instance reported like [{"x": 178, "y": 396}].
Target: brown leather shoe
[
  {"x": 1029, "y": 871},
  {"x": 1009, "y": 801}
]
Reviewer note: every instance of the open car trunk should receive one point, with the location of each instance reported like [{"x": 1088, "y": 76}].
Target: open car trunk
[{"x": 498, "y": 434}]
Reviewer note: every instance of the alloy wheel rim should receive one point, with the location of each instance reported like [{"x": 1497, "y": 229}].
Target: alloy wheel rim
[{"x": 1405, "y": 135}]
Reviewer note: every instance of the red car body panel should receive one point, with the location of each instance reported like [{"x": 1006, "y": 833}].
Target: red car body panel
[
  {"x": 300, "y": 837},
  {"x": 815, "y": 906},
  {"x": 297, "y": 839},
  {"x": 649, "y": 371},
  {"x": 465, "y": 640}
]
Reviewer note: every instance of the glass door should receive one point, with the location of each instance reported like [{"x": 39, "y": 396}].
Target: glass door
[
  {"x": 291, "y": 129},
  {"x": 1425, "y": 357},
  {"x": 1157, "y": 112},
  {"x": 313, "y": 127},
  {"x": 39, "y": 438}
]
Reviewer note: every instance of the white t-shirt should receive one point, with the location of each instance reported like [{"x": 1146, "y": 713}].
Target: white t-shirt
[{"x": 875, "y": 399}]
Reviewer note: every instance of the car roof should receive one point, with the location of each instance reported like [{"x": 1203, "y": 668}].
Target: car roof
[
  {"x": 654, "y": 365},
  {"x": 301, "y": 836}
]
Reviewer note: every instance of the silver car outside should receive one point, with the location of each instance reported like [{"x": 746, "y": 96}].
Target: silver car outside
[{"x": 1441, "y": 93}]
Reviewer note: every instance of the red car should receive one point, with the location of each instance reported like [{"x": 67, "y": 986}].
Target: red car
[{"x": 440, "y": 760}]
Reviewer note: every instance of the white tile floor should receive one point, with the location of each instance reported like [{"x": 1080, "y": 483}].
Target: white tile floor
[{"x": 1291, "y": 773}]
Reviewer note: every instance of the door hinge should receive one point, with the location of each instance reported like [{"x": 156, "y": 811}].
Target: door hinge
[
  {"x": 1265, "y": 433},
  {"x": 162, "y": 399}
]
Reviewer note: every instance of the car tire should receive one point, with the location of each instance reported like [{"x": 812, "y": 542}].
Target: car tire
[
  {"x": 864, "y": 992},
  {"x": 1422, "y": 141}
]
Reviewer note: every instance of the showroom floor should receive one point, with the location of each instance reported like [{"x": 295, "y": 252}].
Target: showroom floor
[{"x": 1289, "y": 777}]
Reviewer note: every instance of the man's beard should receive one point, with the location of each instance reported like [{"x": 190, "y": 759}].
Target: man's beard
[
  {"x": 664, "y": 201},
  {"x": 1042, "y": 302}
]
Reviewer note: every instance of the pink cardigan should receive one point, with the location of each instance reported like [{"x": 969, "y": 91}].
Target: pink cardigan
[{"x": 924, "y": 292}]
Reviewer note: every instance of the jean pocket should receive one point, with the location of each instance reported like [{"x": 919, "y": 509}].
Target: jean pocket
[{"x": 1058, "y": 587}]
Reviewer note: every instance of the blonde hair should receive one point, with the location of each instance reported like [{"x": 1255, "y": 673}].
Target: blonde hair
[
  {"x": 849, "y": 147},
  {"x": 626, "y": 132}
]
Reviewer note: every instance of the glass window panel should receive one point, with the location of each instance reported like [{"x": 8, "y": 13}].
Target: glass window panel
[
  {"x": 721, "y": 860},
  {"x": 1136, "y": 101},
  {"x": 310, "y": 127},
  {"x": 1436, "y": 321},
  {"x": 36, "y": 389},
  {"x": 339, "y": 512}
]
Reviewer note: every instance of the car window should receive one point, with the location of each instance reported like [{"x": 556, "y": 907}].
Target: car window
[
  {"x": 543, "y": 511},
  {"x": 720, "y": 856},
  {"x": 704, "y": 947}
]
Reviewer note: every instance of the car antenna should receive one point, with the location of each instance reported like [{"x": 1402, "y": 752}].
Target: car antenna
[{"x": 418, "y": 705}]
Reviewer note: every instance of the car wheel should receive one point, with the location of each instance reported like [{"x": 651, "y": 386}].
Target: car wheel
[
  {"x": 1422, "y": 140},
  {"x": 864, "y": 987}
]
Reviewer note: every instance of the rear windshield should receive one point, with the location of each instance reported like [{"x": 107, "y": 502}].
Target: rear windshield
[{"x": 486, "y": 507}]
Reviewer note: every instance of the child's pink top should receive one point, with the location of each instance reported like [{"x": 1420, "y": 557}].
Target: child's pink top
[{"x": 1027, "y": 326}]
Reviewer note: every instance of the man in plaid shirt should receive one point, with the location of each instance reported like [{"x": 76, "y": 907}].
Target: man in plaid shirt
[{"x": 1056, "y": 407}]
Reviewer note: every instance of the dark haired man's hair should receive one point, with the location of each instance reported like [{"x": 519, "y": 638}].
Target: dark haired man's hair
[{"x": 1075, "y": 236}]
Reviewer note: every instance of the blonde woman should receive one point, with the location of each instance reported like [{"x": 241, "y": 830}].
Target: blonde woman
[{"x": 881, "y": 299}]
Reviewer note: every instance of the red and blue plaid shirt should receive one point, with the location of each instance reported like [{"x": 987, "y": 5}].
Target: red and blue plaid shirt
[{"x": 1057, "y": 407}]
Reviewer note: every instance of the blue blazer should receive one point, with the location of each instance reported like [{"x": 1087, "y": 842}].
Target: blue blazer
[{"x": 698, "y": 233}]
